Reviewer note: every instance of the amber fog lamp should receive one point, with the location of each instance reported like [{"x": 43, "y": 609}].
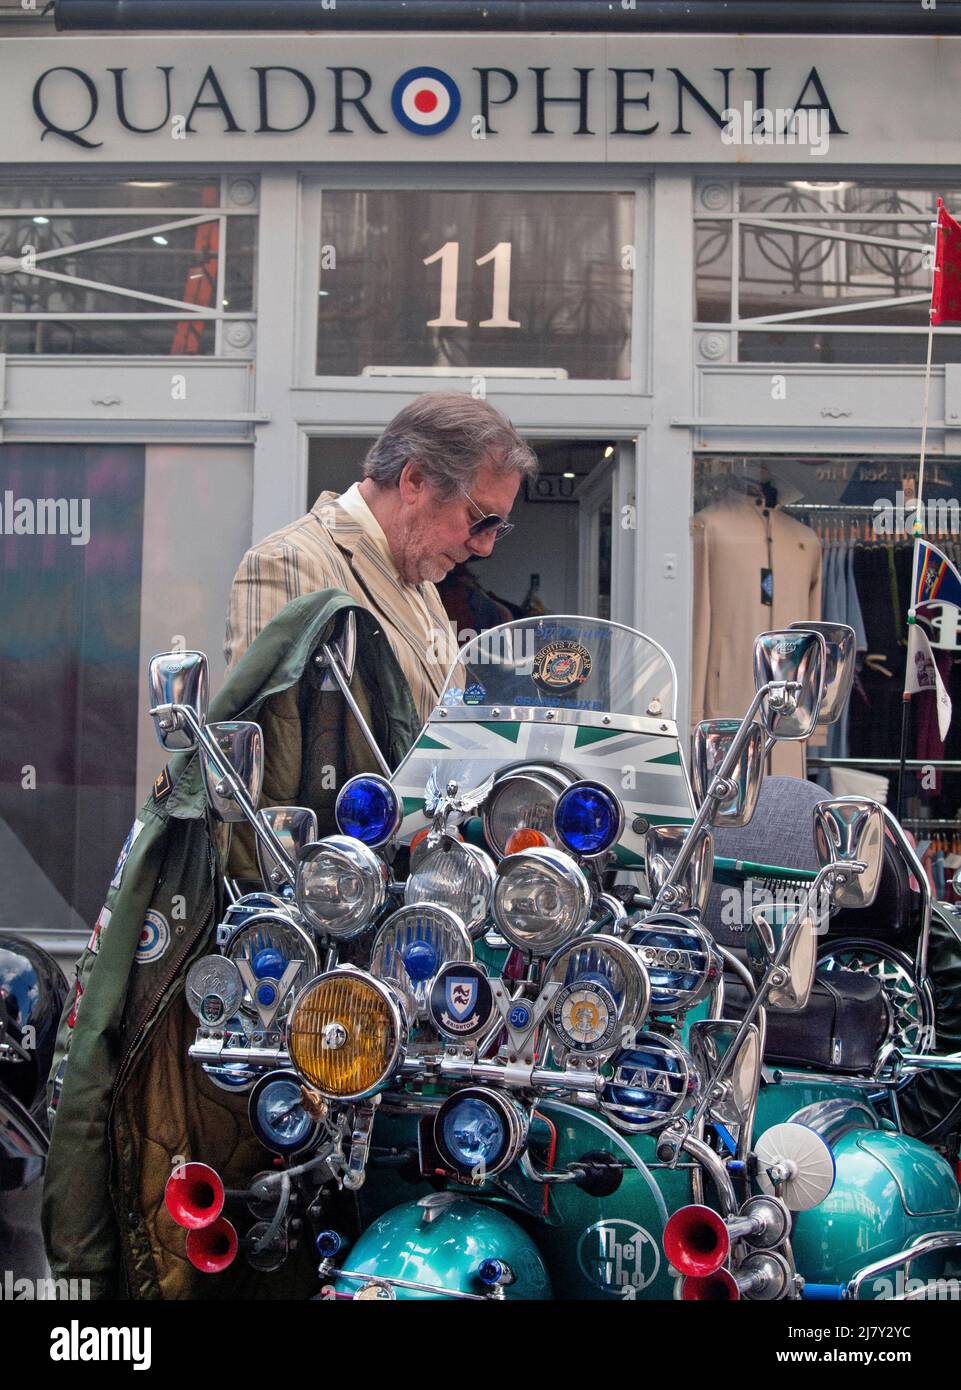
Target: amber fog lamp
[{"x": 346, "y": 1034}]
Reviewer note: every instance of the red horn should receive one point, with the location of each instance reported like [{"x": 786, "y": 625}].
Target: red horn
[
  {"x": 696, "y": 1240},
  {"x": 719, "y": 1287},
  {"x": 194, "y": 1195},
  {"x": 212, "y": 1248}
]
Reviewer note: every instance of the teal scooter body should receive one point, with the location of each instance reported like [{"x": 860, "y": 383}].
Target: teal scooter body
[
  {"x": 445, "y": 1242},
  {"x": 889, "y": 1191}
]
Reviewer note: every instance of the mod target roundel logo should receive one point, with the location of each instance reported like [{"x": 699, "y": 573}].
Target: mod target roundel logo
[{"x": 425, "y": 101}]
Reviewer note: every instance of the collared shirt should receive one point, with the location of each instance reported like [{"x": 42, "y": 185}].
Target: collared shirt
[{"x": 355, "y": 505}]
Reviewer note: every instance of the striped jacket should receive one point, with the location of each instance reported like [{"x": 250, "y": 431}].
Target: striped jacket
[{"x": 328, "y": 549}]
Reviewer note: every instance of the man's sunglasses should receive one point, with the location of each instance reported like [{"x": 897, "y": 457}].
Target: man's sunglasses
[{"x": 487, "y": 521}]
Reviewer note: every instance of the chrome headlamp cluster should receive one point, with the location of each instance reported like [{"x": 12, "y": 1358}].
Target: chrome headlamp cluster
[
  {"x": 654, "y": 1081},
  {"x": 347, "y": 1034},
  {"x": 455, "y": 875},
  {"x": 604, "y": 993},
  {"x": 341, "y": 886},
  {"x": 541, "y": 900},
  {"x": 412, "y": 945},
  {"x": 523, "y": 798},
  {"x": 680, "y": 959}
]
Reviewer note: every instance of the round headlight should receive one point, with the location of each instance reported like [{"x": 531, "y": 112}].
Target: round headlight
[
  {"x": 479, "y": 1132},
  {"x": 346, "y": 1034},
  {"x": 679, "y": 958},
  {"x": 413, "y": 943},
  {"x": 541, "y": 900},
  {"x": 368, "y": 808},
  {"x": 588, "y": 818},
  {"x": 250, "y": 905},
  {"x": 277, "y": 1115},
  {"x": 653, "y": 1081},
  {"x": 341, "y": 886},
  {"x": 604, "y": 990},
  {"x": 523, "y": 799},
  {"x": 268, "y": 943},
  {"x": 458, "y": 876}
]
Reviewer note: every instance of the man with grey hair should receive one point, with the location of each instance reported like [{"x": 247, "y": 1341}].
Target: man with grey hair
[{"x": 437, "y": 488}]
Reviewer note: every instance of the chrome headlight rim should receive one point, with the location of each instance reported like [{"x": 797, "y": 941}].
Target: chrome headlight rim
[
  {"x": 306, "y": 945},
  {"x": 677, "y": 922},
  {"x": 357, "y": 858},
  {"x": 559, "y": 863},
  {"x": 481, "y": 861},
  {"x": 398, "y": 815},
  {"x": 268, "y": 1079},
  {"x": 398, "y": 1020},
  {"x": 686, "y": 1096},
  {"x": 516, "y": 1129},
  {"x": 251, "y": 904},
  {"x": 545, "y": 776},
  {"x": 592, "y": 784},
  {"x": 450, "y": 920},
  {"x": 633, "y": 1010}
]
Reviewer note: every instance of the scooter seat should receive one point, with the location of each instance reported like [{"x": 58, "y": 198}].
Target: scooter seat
[{"x": 840, "y": 1030}]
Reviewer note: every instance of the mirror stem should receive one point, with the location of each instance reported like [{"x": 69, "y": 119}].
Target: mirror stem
[
  {"x": 340, "y": 678},
  {"x": 763, "y": 990},
  {"x": 239, "y": 792},
  {"x": 715, "y": 794}
]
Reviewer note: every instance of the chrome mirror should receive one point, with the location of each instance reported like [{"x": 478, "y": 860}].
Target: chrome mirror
[
  {"x": 850, "y": 830},
  {"x": 794, "y": 663},
  {"x": 841, "y": 651},
  {"x": 241, "y": 744},
  {"x": 793, "y": 994},
  {"x": 794, "y": 975},
  {"x": 733, "y": 1100},
  {"x": 294, "y": 827},
  {"x": 176, "y": 678},
  {"x": 712, "y": 739},
  {"x": 662, "y": 844},
  {"x": 342, "y": 647}
]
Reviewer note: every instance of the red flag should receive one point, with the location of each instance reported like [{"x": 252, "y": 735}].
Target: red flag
[{"x": 946, "y": 290}]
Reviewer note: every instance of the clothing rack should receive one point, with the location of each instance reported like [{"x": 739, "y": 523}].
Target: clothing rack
[
  {"x": 887, "y": 764},
  {"x": 919, "y": 823},
  {"x": 861, "y": 508}
]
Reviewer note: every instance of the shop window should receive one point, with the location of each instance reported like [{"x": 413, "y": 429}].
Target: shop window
[
  {"x": 777, "y": 540},
  {"x": 105, "y": 559},
  {"x": 446, "y": 281},
  {"x": 111, "y": 266},
  {"x": 828, "y": 271},
  {"x": 70, "y": 580}
]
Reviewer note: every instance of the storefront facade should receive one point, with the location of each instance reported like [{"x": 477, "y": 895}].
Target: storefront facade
[{"x": 228, "y": 260}]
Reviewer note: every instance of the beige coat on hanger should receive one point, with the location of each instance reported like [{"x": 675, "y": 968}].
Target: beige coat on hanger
[{"x": 730, "y": 546}]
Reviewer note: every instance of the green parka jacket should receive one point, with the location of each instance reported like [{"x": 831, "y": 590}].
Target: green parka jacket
[{"x": 129, "y": 1103}]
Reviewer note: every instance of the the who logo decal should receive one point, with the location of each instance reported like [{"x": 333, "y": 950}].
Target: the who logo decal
[{"x": 425, "y": 101}]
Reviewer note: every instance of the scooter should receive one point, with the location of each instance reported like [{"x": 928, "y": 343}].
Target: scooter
[{"x": 526, "y": 1077}]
